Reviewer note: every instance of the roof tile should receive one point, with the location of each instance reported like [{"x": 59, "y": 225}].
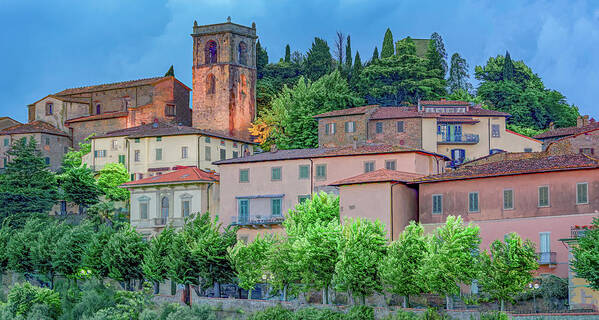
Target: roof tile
[
  {"x": 567, "y": 131},
  {"x": 36, "y": 126},
  {"x": 181, "y": 175},
  {"x": 109, "y": 86},
  {"x": 381, "y": 175}
]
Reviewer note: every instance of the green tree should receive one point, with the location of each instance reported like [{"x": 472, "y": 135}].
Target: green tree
[
  {"x": 249, "y": 262},
  {"x": 586, "y": 256},
  {"x": 110, "y": 178},
  {"x": 321, "y": 209},
  {"x": 348, "y": 57},
  {"x": 375, "y": 55},
  {"x": 400, "y": 268},
  {"x": 387, "y": 49},
  {"x": 23, "y": 298},
  {"x": 43, "y": 249},
  {"x": 93, "y": 257},
  {"x": 451, "y": 258},
  {"x": 67, "y": 258},
  {"x": 458, "y": 75},
  {"x": 261, "y": 59},
  {"x": 170, "y": 72},
  {"x": 27, "y": 187},
  {"x": 123, "y": 256},
  {"x": 507, "y": 268},
  {"x": 438, "y": 56},
  {"x": 281, "y": 266},
  {"x": 356, "y": 70},
  {"x": 155, "y": 261},
  {"x": 20, "y": 247},
  {"x": 6, "y": 234},
  {"x": 361, "y": 248},
  {"x": 319, "y": 60},
  {"x": 76, "y": 180},
  {"x": 508, "y": 68},
  {"x": 287, "y": 54}
]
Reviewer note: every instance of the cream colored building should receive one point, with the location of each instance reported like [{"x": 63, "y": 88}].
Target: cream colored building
[{"x": 159, "y": 148}]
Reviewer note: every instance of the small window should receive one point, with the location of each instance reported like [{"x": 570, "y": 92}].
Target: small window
[
  {"x": 143, "y": 210},
  {"x": 115, "y": 144},
  {"x": 473, "y": 202},
  {"x": 159, "y": 154},
  {"x": 207, "y": 154},
  {"x": 275, "y": 207},
  {"x": 495, "y": 130},
  {"x": 137, "y": 156},
  {"x": 210, "y": 52},
  {"x": 437, "y": 203},
  {"x": 275, "y": 174},
  {"x": 243, "y": 54},
  {"x": 98, "y": 108},
  {"x": 582, "y": 193},
  {"x": 136, "y": 140},
  {"x": 350, "y": 126},
  {"x": 368, "y": 166},
  {"x": 587, "y": 151},
  {"x": 99, "y": 153},
  {"x": 544, "y": 196},
  {"x": 185, "y": 207},
  {"x": 330, "y": 128},
  {"x": 235, "y": 145},
  {"x": 527, "y": 149},
  {"x": 4, "y": 162},
  {"x": 304, "y": 171},
  {"x": 66, "y": 149},
  {"x": 6, "y": 142},
  {"x": 321, "y": 171},
  {"x": 243, "y": 210},
  {"x": 170, "y": 110},
  {"x": 223, "y": 154},
  {"x": 49, "y": 109},
  {"x": 47, "y": 141},
  {"x": 303, "y": 198},
  {"x": 244, "y": 175},
  {"x": 207, "y": 139},
  {"x": 379, "y": 127},
  {"x": 121, "y": 158},
  {"x": 508, "y": 199},
  {"x": 47, "y": 160},
  {"x": 158, "y": 138},
  {"x": 184, "y": 152},
  {"x": 390, "y": 164},
  {"x": 399, "y": 126},
  {"x": 235, "y": 154}
]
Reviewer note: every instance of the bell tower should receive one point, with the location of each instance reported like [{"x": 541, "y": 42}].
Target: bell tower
[{"x": 224, "y": 78}]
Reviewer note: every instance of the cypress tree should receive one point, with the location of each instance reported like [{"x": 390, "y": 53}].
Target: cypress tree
[
  {"x": 170, "y": 72},
  {"x": 435, "y": 60},
  {"x": 375, "y": 54},
  {"x": 319, "y": 60},
  {"x": 348, "y": 62},
  {"x": 458, "y": 75},
  {"x": 388, "y": 49},
  {"x": 287, "y": 53},
  {"x": 357, "y": 65},
  {"x": 508, "y": 67},
  {"x": 261, "y": 59}
]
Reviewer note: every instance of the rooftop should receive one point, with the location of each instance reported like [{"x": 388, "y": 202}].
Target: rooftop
[
  {"x": 108, "y": 115},
  {"x": 381, "y": 175},
  {"x": 110, "y": 86},
  {"x": 33, "y": 127},
  {"x": 181, "y": 175},
  {"x": 542, "y": 163},
  {"x": 567, "y": 131},
  {"x": 347, "y": 112},
  {"x": 293, "y": 154}
]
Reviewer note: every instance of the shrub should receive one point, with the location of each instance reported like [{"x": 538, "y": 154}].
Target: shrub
[
  {"x": 272, "y": 313},
  {"x": 493, "y": 316},
  {"x": 433, "y": 314},
  {"x": 403, "y": 315},
  {"x": 317, "y": 314},
  {"x": 94, "y": 297},
  {"x": 360, "y": 313},
  {"x": 22, "y": 297}
]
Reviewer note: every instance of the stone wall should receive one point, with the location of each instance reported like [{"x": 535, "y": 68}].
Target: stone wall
[
  {"x": 83, "y": 129},
  {"x": 410, "y": 137},
  {"x": 341, "y": 138},
  {"x": 574, "y": 144}
]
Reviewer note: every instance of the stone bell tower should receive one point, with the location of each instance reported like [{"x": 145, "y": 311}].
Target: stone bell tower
[{"x": 224, "y": 77}]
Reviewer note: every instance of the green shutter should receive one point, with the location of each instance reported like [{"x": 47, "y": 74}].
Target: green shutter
[{"x": 122, "y": 158}]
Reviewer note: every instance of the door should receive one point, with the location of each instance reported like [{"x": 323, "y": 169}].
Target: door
[
  {"x": 545, "y": 247},
  {"x": 244, "y": 210}
]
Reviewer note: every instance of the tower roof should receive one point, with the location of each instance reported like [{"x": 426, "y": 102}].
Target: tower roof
[{"x": 225, "y": 27}]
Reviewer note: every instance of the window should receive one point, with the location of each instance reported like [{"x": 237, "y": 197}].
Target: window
[
  {"x": 508, "y": 199},
  {"x": 115, "y": 144},
  {"x": 210, "y": 84},
  {"x": 390, "y": 164},
  {"x": 164, "y": 205},
  {"x": 275, "y": 207},
  {"x": 169, "y": 110},
  {"x": 399, "y": 126},
  {"x": 184, "y": 152},
  {"x": 49, "y": 107},
  {"x": 304, "y": 171},
  {"x": 47, "y": 160},
  {"x": 222, "y": 142},
  {"x": 243, "y": 210},
  {"x": 458, "y": 155},
  {"x": 121, "y": 158},
  {"x": 368, "y": 166},
  {"x": 350, "y": 126},
  {"x": 587, "y": 151},
  {"x": 63, "y": 207},
  {"x": 527, "y": 149},
  {"x": 495, "y": 130},
  {"x": 99, "y": 153},
  {"x": 66, "y": 149},
  {"x": 473, "y": 202},
  {"x": 223, "y": 154},
  {"x": 158, "y": 138},
  {"x": 582, "y": 190},
  {"x": 143, "y": 210},
  {"x": 303, "y": 198},
  {"x": 207, "y": 139},
  {"x": 4, "y": 162},
  {"x": 98, "y": 108},
  {"x": 47, "y": 141},
  {"x": 185, "y": 207},
  {"x": 159, "y": 154},
  {"x": 545, "y": 247},
  {"x": 321, "y": 171},
  {"x": 207, "y": 154},
  {"x": 210, "y": 52},
  {"x": 136, "y": 140},
  {"x": 243, "y": 53},
  {"x": 244, "y": 175},
  {"x": 275, "y": 174},
  {"x": 544, "y": 196},
  {"x": 6, "y": 142},
  {"x": 379, "y": 127},
  {"x": 437, "y": 203},
  {"x": 494, "y": 151},
  {"x": 235, "y": 154},
  {"x": 137, "y": 156},
  {"x": 329, "y": 128}
]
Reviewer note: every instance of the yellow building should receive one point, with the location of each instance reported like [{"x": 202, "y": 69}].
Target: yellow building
[
  {"x": 580, "y": 294},
  {"x": 159, "y": 148}
]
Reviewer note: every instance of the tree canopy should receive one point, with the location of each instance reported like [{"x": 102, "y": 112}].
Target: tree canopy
[{"x": 586, "y": 255}]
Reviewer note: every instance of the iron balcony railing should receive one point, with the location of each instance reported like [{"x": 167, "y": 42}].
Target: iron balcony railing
[
  {"x": 467, "y": 138},
  {"x": 545, "y": 258},
  {"x": 257, "y": 220}
]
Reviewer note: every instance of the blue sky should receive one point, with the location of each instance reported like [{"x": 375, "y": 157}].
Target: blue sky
[{"x": 48, "y": 46}]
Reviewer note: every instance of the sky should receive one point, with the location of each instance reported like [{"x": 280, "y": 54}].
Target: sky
[{"x": 48, "y": 46}]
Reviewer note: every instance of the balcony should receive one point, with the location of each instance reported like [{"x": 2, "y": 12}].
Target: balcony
[
  {"x": 579, "y": 231},
  {"x": 257, "y": 221},
  {"x": 160, "y": 222},
  {"x": 467, "y": 138},
  {"x": 546, "y": 258}
]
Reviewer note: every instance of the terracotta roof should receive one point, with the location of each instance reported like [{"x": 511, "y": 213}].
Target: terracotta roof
[
  {"x": 346, "y": 112},
  {"x": 109, "y": 86},
  {"x": 108, "y": 115},
  {"x": 160, "y": 129},
  {"x": 449, "y": 119},
  {"x": 292, "y": 154},
  {"x": 399, "y": 112},
  {"x": 182, "y": 175},
  {"x": 66, "y": 99},
  {"x": 444, "y": 103},
  {"x": 518, "y": 166},
  {"x": 36, "y": 126},
  {"x": 381, "y": 175},
  {"x": 568, "y": 131}
]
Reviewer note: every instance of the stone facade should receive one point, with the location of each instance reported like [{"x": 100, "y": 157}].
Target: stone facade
[
  {"x": 224, "y": 78},
  {"x": 411, "y": 136},
  {"x": 586, "y": 142},
  {"x": 341, "y": 137},
  {"x": 52, "y": 147}
]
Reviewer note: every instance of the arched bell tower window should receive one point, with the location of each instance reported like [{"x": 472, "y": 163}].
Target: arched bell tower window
[
  {"x": 211, "y": 52},
  {"x": 243, "y": 53},
  {"x": 210, "y": 84}
]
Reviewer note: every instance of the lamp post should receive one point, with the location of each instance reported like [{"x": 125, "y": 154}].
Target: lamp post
[{"x": 534, "y": 287}]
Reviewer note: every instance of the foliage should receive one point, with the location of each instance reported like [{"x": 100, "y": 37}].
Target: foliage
[
  {"x": 94, "y": 296},
  {"x": 497, "y": 315},
  {"x": 22, "y": 297},
  {"x": 287, "y": 54},
  {"x": 360, "y": 313},
  {"x": 348, "y": 54},
  {"x": 249, "y": 262},
  {"x": 400, "y": 268},
  {"x": 436, "y": 54},
  {"x": 458, "y": 75},
  {"x": 170, "y": 72},
  {"x": 76, "y": 180},
  {"x": 273, "y": 313},
  {"x": 123, "y": 255},
  {"x": 321, "y": 209},
  {"x": 128, "y": 305},
  {"x": 27, "y": 187},
  {"x": 318, "y": 60},
  {"x": 282, "y": 268},
  {"x": 93, "y": 257},
  {"x": 361, "y": 248},
  {"x": 42, "y": 250},
  {"x": 586, "y": 256},
  {"x": 20, "y": 252},
  {"x": 261, "y": 59},
  {"x": 155, "y": 260},
  {"x": 110, "y": 178},
  {"x": 387, "y": 49},
  {"x": 375, "y": 55},
  {"x": 70, "y": 249},
  {"x": 507, "y": 268}
]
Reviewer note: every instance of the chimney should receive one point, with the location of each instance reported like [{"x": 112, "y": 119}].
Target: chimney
[
  {"x": 582, "y": 121},
  {"x": 274, "y": 148}
]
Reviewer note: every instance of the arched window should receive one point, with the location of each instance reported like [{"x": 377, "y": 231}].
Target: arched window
[
  {"x": 210, "y": 84},
  {"x": 164, "y": 207},
  {"x": 98, "y": 108},
  {"x": 211, "y": 52},
  {"x": 243, "y": 53}
]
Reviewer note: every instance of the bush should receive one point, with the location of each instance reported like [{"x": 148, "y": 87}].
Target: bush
[
  {"x": 433, "y": 314},
  {"x": 317, "y": 314},
  {"x": 360, "y": 313},
  {"x": 272, "y": 313},
  {"x": 94, "y": 297},
  {"x": 403, "y": 315},
  {"x": 493, "y": 316},
  {"x": 22, "y": 297}
]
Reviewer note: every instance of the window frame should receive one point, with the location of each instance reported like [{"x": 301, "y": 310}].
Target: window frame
[
  {"x": 438, "y": 196},
  {"x": 170, "y": 110},
  {"x": 142, "y": 204},
  {"x": 586, "y": 186},
  {"x": 49, "y": 108},
  {"x": 136, "y": 155},
  {"x": 324, "y": 168},
  {"x": 183, "y": 201},
  {"x": 299, "y": 174},
  {"x": 398, "y": 126},
  {"x": 368, "y": 164},
  {"x": 247, "y": 175},
  {"x": 207, "y": 153},
  {"x": 378, "y": 127},
  {"x": 394, "y": 162},
  {"x": 470, "y": 206},
  {"x": 350, "y": 126},
  {"x": 512, "y": 199},
  {"x": 184, "y": 152},
  {"x": 278, "y": 169},
  {"x": 157, "y": 152},
  {"x": 223, "y": 154},
  {"x": 239, "y": 206},
  {"x": 272, "y": 207},
  {"x": 539, "y": 197}
]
